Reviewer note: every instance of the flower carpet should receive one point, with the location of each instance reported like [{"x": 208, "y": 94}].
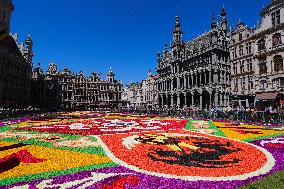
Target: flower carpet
[{"x": 119, "y": 150}]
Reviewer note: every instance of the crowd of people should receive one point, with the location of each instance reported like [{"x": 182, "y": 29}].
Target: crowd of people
[
  {"x": 7, "y": 113},
  {"x": 269, "y": 115}
]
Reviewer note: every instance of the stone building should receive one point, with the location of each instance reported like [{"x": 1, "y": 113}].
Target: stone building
[
  {"x": 149, "y": 90},
  {"x": 133, "y": 96},
  {"x": 196, "y": 72},
  {"x": 6, "y": 9},
  {"x": 15, "y": 63},
  {"x": 257, "y": 58},
  {"x": 242, "y": 67},
  {"x": 269, "y": 53},
  {"x": 141, "y": 95},
  {"x": 66, "y": 90}
]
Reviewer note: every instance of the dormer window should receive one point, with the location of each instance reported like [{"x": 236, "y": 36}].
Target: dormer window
[
  {"x": 275, "y": 18},
  {"x": 261, "y": 44},
  {"x": 276, "y": 39},
  {"x": 240, "y": 37}
]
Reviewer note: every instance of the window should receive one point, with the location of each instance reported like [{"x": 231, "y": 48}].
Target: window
[
  {"x": 244, "y": 83},
  {"x": 262, "y": 66},
  {"x": 261, "y": 44},
  {"x": 235, "y": 68},
  {"x": 275, "y": 82},
  {"x": 249, "y": 65},
  {"x": 236, "y": 84},
  {"x": 250, "y": 83},
  {"x": 275, "y": 18},
  {"x": 263, "y": 84},
  {"x": 235, "y": 50},
  {"x": 278, "y": 63},
  {"x": 276, "y": 39},
  {"x": 233, "y": 54},
  {"x": 242, "y": 67},
  {"x": 241, "y": 50},
  {"x": 240, "y": 37},
  {"x": 248, "y": 48}
]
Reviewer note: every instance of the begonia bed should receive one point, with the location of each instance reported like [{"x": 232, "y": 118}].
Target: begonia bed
[{"x": 86, "y": 149}]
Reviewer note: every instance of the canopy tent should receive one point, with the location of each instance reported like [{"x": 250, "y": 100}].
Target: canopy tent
[{"x": 266, "y": 96}]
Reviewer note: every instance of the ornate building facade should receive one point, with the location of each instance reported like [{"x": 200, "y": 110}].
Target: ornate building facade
[
  {"x": 133, "y": 96},
  {"x": 66, "y": 90},
  {"x": 15, "y": 63},
  {"x": 242, "y": 67},
  {"x": 269, "y": 53},
  {"x": 149, "y": 88},
  {"x": 257, "y": 58},
  {"x": 197, "y": 72},
  {"x": 141, "y": 95}
]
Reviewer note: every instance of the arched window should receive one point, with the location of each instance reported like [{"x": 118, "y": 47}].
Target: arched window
[
  {"x": 261, "y": 44},
  {"x": 263, "y": 84},
  {"x": 276, "y": 39},
  {"x": 278, "y": 63},
  {"x": 262, "y": 66},
  {"x": 275, "y": 82}
]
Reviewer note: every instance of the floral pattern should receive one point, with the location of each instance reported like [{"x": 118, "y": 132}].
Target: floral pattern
[{"x": 86, "y": 149}]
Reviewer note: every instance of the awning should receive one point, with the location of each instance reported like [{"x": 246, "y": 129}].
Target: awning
[{"x": 266, "y": 96}]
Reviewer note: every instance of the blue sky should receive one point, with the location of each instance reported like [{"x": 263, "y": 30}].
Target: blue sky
[{"x": 93, "y": 35}]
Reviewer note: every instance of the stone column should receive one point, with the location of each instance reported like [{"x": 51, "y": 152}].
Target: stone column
[
  {"x": 162, "y": 105},
  {"x": 216, "y": 99},
  {"x": 185, "y": 82},
  {"x": 221, "y": 99},
  {"x": 178, "y": 100},
  {"x": 172, "y": 100},
  {"x": 191, "y": 80},
  {"x": 178, "y": 82},
  {"x": 200, "y": 101}
]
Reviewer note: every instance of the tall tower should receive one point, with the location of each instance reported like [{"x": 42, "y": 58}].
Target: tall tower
[
  {"x": 214, "y": 27},
  {"x": 28, "y": 53},
  {"x": 5, "y": 15},
  {"x": 224, "y": 20},
  {"x": 214, "y": 24},
  {"x": 177, "y": 33}
]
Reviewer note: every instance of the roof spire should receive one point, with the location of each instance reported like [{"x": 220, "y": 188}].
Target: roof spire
[
  {"x": 223, "y": 12},
  {"x": 177, "y": 33},
  {"x": 213, "y": 22}
]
